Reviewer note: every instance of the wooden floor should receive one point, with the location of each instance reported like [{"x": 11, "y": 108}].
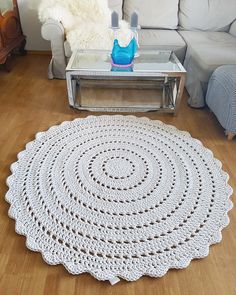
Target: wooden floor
[{"x": 30, "y": 103}]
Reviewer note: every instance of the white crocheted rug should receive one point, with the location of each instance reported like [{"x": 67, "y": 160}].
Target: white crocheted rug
[{"x": 118, "y": 197}]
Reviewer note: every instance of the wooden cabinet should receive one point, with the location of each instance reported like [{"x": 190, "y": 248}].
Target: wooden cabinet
[{"x": 11, "y": 35}]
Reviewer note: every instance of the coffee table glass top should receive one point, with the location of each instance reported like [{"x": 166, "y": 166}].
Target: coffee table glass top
[{"x": 152, "y": 61}]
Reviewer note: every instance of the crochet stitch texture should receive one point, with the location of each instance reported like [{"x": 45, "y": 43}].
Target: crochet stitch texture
[{"x": 118, "y": 197}]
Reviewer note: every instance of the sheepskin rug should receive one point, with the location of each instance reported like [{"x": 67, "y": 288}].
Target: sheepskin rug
[{"x": 86, "y": 22}]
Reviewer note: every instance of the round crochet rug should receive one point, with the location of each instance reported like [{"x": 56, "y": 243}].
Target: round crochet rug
[{"x": 118, "y": 197}]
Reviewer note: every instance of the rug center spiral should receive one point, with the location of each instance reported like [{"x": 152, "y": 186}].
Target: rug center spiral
[{"x": 118, "y": 167}]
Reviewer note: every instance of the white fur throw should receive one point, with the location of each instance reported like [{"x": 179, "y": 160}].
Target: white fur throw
[{"x": 86, "y": 22}]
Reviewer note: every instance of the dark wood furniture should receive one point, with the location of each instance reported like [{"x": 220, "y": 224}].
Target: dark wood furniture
[{"x": 11, "y": 36}]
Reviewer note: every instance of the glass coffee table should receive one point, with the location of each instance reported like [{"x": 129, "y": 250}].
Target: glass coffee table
[{"x": 152, "y": 69}]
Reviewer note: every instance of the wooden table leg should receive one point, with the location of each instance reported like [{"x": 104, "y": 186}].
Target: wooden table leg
[
  {"x": 22, "y": 50},
  {"x": 7, "y": 64}
]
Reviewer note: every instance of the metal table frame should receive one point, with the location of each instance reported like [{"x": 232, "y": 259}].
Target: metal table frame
[{"x": 172, "y": 84}]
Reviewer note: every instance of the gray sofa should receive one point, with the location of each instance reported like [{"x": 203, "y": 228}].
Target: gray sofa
[{"x": 201, "y": 33}]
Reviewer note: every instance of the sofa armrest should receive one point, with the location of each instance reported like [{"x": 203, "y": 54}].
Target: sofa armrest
[
  {"x": 232, "y": 29},
  {"x": 54, "y": 32}
]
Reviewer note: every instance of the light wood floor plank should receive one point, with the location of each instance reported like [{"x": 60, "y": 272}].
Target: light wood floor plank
[{"x": 30, "y": 103}]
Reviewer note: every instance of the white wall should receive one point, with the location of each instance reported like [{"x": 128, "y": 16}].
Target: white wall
[{"x": 31, "y": 25}]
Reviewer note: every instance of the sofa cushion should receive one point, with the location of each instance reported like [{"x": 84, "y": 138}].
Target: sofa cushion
[
  {"x": 207, "y": 15},
  {"x": 232, "y": 30},
  {"x": 163, "y": 40},
  {"x": 211, "y": 49},
  {"x": 116, "y": 5},
  {"x": 205, "y": 52},
  {"x": 154, "y": 39},
  {"x": 153, "y": 13}
]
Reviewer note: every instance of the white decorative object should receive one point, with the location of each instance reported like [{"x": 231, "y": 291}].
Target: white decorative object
[{"x": 118, "y": 197}]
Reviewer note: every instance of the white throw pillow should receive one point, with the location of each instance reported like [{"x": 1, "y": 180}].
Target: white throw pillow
[
  {"x": 207, "y": 15},
  {"x": 153, "y": 13}
]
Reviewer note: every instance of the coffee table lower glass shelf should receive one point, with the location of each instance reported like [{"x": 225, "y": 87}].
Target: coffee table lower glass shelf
[{"x": 125, "y": 91}]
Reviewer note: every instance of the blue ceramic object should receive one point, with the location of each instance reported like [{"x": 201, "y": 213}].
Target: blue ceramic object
[{"x": 124, "y": 55}]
